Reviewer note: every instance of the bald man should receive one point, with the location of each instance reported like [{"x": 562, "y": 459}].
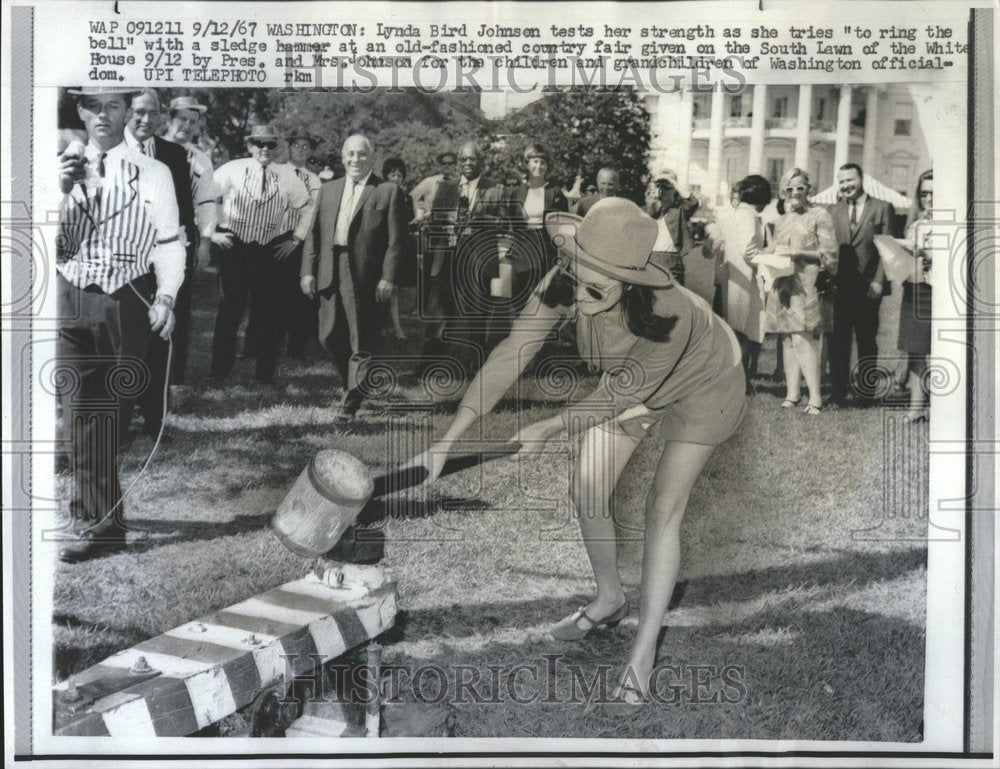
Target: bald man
[
  {"x": 607, "y": 187},
  {"x": 351, "y": 262}
]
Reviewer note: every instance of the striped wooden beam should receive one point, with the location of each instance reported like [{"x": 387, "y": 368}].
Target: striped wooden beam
[{"x": 197, "y": 674}]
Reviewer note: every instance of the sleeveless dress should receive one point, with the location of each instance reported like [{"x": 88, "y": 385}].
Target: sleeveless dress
[{"x": 794, "y": 304}]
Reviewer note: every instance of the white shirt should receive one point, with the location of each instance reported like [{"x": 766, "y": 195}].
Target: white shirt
[
  {"x": 348, "y": 207},
  {"x": 203, "y": 190},
  {"x": 312, "y": 183},
  {"x": 116, "y": 229},
  {"x": 254, "y": 199},
  {"x": 467, "y": 188},
  {"x": 534, "y": 207}
]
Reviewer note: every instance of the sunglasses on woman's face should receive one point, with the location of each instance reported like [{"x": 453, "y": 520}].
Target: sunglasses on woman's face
[
  {"x": 795, "y": 190},
  {"x": 265, "y": 145},
  {"x": 597, "y": 293}
]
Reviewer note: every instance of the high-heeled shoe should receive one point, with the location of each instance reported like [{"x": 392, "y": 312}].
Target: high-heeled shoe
[
  {"x": 788, "y": 403},
  {"x": 813, "y": 411},
  {"x": 567, "y": 629}
]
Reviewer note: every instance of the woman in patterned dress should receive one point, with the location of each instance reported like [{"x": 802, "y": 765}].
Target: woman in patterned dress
[{"x": 804, "y": 233}]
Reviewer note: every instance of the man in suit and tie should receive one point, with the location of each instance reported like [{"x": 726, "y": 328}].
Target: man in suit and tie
[
  {"x": 860, "y": 282},
  {"x": 357, "y": 245},
  {"x": 140, "y": 134}
]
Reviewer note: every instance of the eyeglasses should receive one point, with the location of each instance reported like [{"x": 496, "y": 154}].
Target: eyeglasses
[
  {"x": 265, "y": 145},
  {"x": 596, "y": 293},
  {"x": 795, "y": 190},
  {"x": 926, "y": 193}
]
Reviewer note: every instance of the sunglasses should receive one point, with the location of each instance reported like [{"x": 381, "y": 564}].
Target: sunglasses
[
  {"x": 594, "y": 292},
  {"x": 795, "y": 190},
  {"x": 926, "y": 193},
  {"x": 265, "y": 145}
]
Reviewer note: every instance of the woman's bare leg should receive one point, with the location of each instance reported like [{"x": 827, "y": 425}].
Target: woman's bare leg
[
  {"x": 604, "y": 452},
  {"x": 678, "y": 469}
]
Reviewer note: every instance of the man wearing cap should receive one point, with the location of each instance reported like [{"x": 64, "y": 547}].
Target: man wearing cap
[
  {"x": 184, "y": 120},
  {"x": 351, "y": 263},
  {"x": 140, "y": 134},
  {"x": 607, "y": 187},
  {"x": 298, "y": 312},
  {"x": 120, "y": 265},
  {"x": 255, "y": 196}
]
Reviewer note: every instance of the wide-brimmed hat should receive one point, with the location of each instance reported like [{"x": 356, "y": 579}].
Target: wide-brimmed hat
[
  {"x": 313, "y": 141},
  {"x": 101, "y": 90},
  {"x": 187, "y": 102},
  {"x": 615, "y": 238},
  {"x": 263, "y": 132}
]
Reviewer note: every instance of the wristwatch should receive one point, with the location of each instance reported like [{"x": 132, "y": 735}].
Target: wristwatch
[{"x": 166, "y": 300}]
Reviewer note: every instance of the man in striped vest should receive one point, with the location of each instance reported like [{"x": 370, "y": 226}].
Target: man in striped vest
[
  {"x": 118, "y": 223},
  {"x": 255, "y": 197},
  {"x": 298, "y": 316},
  {"x": 140, "y": 134}
]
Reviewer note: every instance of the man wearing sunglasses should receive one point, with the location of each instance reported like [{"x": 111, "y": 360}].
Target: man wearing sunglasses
[
  {"x": 256, "y": 196},
  {"x": 860, "y": 282}
]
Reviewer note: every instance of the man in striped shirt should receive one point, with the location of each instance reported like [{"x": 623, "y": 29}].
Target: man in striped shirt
[
  {"x": 255, "y": 198},
  {"x": 118, "y": 223},
  {"x": 299, "y": 311}
]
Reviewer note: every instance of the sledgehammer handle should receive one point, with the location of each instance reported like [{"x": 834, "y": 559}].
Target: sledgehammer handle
[{"x": 414, "y": 476}]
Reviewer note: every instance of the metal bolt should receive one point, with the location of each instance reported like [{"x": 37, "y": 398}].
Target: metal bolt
[
  {"x": 71, "y": 694},
  {"x": 253, "y": 640},
  {"x": 141, "y": 666},
  {"x": 198, "y": 627}
]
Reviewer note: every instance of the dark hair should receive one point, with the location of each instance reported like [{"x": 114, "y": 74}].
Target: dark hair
[
  {"x": 755, "y": 190},
  {"x": 534, "y": 149},
  {"x": 637, "y": 302},
  {"x": 641, "y": 318},
  {"x": 393, "y": 164},
  {"x": 853, "y": 166},
  {"x": 917, "y": 207}
]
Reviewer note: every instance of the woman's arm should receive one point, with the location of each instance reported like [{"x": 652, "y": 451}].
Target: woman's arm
[{"x": 502, "y": 368}]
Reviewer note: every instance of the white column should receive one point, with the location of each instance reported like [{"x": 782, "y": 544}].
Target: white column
[
  {"x": 715, "y": 145},
  {"x": 757, "y": 123},
  {"x": 843, "y": 128},
  {"x": 686, "y": 129},
  {"x": 871, "y": 126},
  {"x": 802, "y": 125}
]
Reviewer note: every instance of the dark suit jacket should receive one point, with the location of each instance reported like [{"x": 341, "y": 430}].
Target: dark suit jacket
[
  {"x": 858, "y": 261},
  {"x": 584, "y": 204},
  {"x": 376, "y": 239},
  {"x": 174, "y": 157},
  {"x": 485, "y": 202}
]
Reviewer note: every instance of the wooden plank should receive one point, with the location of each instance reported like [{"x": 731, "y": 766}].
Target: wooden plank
[{"x": 211, "y": 667}]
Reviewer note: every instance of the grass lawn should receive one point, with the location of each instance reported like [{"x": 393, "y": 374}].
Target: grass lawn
[{"x": 800, "y": 608}]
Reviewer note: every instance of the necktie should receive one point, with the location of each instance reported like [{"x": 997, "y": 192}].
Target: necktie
[
  {"x": 263, "y": 180},
  {"x": 854, "y": 213},
  {"x": 100, "y": 164},
  {"x": 144, "y": 149}
]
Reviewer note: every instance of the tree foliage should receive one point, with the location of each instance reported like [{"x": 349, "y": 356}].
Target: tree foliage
[{"x": 583, "y": 130}]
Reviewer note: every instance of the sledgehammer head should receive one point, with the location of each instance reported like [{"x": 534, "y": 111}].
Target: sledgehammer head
[{"x": 325, "y": 499}]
